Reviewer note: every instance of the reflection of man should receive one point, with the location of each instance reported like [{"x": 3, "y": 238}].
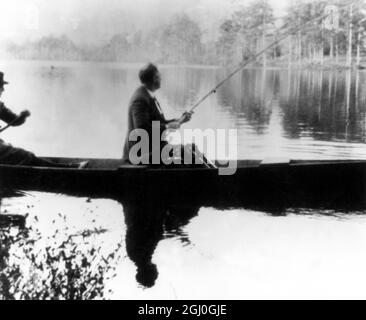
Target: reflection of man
[
  {"x": 145, "y": 222},
  {"x": 144, "y": 109}
]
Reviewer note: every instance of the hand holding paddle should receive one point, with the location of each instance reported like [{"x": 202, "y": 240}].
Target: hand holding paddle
[
  {"x": 24, "y": 114},
  {"x": 20, "y": 119}
]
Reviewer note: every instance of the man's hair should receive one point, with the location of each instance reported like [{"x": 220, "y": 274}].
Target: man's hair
[{"x": 147, "y": 73}]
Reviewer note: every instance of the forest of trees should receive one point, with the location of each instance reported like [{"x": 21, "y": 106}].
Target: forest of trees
[{"x": 338, "y": 40}]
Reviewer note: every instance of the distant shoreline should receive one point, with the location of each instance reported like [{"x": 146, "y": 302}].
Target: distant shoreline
[
  {"x": 273, "y": 65},
  {"x": 79, "y": 63}
]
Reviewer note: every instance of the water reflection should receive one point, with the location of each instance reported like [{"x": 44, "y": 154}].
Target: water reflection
[
  {"x": 146, "y": 223},
  {"x": 37, "y": 254},
  {"x": 323, "y": 105},
  {"x": 181, "y": 86},
  {"x": 65, "y": 261},
  {"x": 250, "y": 96},
  {"x": 156, "y": 218}
]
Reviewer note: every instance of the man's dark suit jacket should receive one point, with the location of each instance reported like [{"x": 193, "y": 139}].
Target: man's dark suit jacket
[{"x": 141, "y": 113}]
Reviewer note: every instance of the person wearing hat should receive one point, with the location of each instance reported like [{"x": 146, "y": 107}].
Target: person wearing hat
[
  {"x": 5, "y": 114},
  {"x": 17, "y": 156}
]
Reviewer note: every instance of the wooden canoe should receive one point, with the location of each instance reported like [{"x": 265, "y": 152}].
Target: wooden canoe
[{"x": 325, "y": 183}]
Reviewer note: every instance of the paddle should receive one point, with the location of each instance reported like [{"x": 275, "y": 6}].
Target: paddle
[{"x": 23, "y": 115}]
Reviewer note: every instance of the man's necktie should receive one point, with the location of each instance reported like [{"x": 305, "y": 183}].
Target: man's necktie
[{"x": 158, "y": 105}]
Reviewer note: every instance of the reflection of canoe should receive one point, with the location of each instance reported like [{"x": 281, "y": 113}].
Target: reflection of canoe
[{"x": 300, "y": 183}]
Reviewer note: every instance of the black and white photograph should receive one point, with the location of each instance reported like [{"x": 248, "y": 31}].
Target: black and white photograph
[{"x": 203, "y": 150}]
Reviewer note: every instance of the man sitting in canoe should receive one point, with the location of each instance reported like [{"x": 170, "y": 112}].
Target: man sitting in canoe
[
  {"x": 16, "y": 156},
  {"x": 145, "y": 112}
]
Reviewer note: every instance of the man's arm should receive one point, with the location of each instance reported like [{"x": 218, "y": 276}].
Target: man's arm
[
  {"x": 186, "y": 116},
  {"x": 8, "y": 116},
  {"x": 171, "y": 120}
]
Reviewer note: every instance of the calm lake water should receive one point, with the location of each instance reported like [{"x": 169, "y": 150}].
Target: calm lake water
[{"x": 79, "y": 110}]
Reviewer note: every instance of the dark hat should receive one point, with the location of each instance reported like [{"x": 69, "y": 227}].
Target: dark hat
[{"x": 2, "y": 82}]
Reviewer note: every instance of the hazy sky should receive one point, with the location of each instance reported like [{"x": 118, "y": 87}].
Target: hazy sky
[{"x": 94, "y": 21}]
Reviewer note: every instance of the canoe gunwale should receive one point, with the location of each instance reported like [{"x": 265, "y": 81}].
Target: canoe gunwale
[{"x": 114, "y": 166}]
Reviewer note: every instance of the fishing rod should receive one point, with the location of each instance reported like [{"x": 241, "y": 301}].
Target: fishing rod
[{"x": 254, "y": 57}]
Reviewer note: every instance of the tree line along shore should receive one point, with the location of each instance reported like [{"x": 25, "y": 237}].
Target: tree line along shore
[{"x": 335, "y": 42}]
